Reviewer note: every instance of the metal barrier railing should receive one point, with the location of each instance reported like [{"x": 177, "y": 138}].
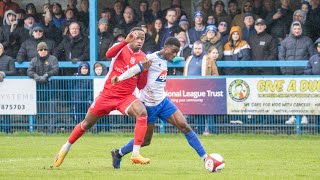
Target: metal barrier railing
[{"x": 63, "y": 102}]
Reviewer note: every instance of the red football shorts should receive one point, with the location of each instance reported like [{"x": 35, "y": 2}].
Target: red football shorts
[{"x": 103, "y": 104}]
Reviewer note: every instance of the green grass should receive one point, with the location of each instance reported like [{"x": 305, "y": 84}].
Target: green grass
[{"x": 247, "y": 157}]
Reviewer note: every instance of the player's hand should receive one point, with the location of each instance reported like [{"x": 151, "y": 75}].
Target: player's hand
[
  {"x": 131, "y": 37},
  {"x": 114, "y": 79},
  {"x": 146, "y": 63}
]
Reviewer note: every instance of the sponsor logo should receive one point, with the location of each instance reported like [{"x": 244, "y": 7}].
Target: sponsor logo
[
  {"x": 162, "y": 77},
  {"x": 239, "y": 90},
  {"x": 132, "y": 60}
]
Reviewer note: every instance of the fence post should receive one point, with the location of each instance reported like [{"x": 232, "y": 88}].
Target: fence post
[
  {"x": 31, "y": 123},
  {"x": 298, "y": 125},
  {"x": 161, "y": 127}
]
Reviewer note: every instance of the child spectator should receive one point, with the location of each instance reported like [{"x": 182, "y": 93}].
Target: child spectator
[{"x": 100, "y": 69}]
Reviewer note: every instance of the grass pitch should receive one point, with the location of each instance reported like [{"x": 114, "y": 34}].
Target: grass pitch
[{"x": 247, "y": 157}]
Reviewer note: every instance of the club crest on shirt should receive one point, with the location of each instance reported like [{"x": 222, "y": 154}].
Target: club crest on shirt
[
  {"x": 132, "y": 60},
  {"x": 162, "y": 77}
]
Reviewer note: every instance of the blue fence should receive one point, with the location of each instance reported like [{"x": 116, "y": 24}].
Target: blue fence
[{"x": 63, "y": 102}]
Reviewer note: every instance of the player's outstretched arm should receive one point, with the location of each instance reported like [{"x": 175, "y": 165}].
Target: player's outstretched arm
[{"x": 143, "y": 65}]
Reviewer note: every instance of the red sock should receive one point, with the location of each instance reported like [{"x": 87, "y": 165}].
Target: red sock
[
  {"x": 77, "y": 132},
  {"x": 140, "y": 130}
]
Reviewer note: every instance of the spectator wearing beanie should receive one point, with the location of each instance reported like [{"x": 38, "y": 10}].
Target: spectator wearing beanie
[
  {"x": 212, "y": 37},
  {"x": 43, "y": 65},
  {"x": 28, "y": 49},
  {"x": 196, "y": 32},
  {"x": 184, "y": 24},
  {"x": 105, "y": 38}
]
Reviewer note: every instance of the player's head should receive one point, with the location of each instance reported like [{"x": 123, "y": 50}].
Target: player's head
[
  {"x": 139, "y": 41},
  {"x": 171, "y": 48}
]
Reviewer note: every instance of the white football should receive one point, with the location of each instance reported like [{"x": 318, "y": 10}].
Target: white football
[{"x": 214, "y": 162}]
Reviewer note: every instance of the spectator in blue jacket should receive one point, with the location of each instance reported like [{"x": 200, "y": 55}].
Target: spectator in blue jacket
[{"x": 313, "y": 67}]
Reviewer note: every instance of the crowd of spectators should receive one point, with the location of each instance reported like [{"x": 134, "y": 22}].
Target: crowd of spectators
[{"x": 237, "y": 30}]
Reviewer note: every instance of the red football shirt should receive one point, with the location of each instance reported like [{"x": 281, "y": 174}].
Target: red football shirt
[{"x": 123, "y": 58}]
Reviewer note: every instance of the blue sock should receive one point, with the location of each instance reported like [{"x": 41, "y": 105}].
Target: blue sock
[
  {"x": 127, "y": 148},
  {"x": 194, "y": 141}
]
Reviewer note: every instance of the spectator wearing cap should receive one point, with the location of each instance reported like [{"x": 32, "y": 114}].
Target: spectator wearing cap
[
  {"x": 104, "y": 38},
  {"x": 295, "y": 47},
  {"x": 236, "y": 49},
  {"x": 279, "y": 21},
  {"x": 263, "y": 48},
  {"x": 32, "y": 10},
  {"x": 170, "y": 28},
  {"x": 313, "y": 66},
  {"x": 223, "y": 28},
  {"x": 219, "y": 13},
  {"x": 28, "y": 49},
  {"x": 156, "y": 9},
  {"x": 57, "y": 15},
  {"x": 184, "y": 24},
  {"x": 7, "y": 66},
  {"x": 11, "y": 43},
  {"x": 43, "y": 65},
  {"x": 212, "y": 37},
  {"x": 74, "y": 47},
  {"x": 248, "y": 28},
  {"x": 23, "y": 32},
  {"x": 246, "y": 8},
  {"x": 194, "y": 33},
  {"x": 6, "y": 5}
]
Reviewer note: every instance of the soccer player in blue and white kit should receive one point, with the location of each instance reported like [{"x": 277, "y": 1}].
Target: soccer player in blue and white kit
[{"x": 157, "y": 103}]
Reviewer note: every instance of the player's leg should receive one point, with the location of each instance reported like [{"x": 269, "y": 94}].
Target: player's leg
[
  {"x": 117, "y": 154},
  {"x": 77, "y": 132},
  {"x": 178, "y": 120},
  {"x": 97, "y": 109},
  {"x": 173, "y": 115},
  {"x": 134, "y": 107}
]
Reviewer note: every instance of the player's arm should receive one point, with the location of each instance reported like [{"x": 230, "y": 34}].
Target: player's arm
[
  {"x": 114, "y": 50},
  {"x": 139, "y": 67}
]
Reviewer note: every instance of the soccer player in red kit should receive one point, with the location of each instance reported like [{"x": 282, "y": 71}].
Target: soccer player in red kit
[{"x": 117, "y": 96}]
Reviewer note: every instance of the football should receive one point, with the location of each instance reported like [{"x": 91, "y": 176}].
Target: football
[{"x": 214, "y": 162}]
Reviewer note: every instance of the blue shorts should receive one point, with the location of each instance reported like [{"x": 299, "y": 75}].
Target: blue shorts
[{"x": 163, "y": 110}]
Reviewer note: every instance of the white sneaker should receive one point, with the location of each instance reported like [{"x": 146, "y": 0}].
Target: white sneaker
[
  {"x": 304, "y": 120},
  {"x": 291, "y": 120}
]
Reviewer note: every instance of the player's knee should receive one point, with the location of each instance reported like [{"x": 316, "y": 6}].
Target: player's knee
[
  {"x": 142, "y": 112},
  {"x": 87, "y": 124},
  {"x": 185, "y": 127}
]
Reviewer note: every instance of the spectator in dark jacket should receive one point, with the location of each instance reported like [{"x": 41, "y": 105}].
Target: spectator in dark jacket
[
  {"x": 295, "y": 47},
  {"x": 105, "y": 38},
  {"x": 313, "y": 20},
  {"x": 23, "y": 32},
  {"x": 313, "y": 67},
  {"x": 9, "y": 27},
  {"x": 7, "y": 66},
  {"x": 279, "y": 21},
  {"x": 170, "y": 29},
  {"x": 43, "y": 65},
  {"x": 74, "y": 46},
  {"x": 194, "y": 33},
  {"x": 263, "y": 47},
  {"x": 28, "y": 49}
]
